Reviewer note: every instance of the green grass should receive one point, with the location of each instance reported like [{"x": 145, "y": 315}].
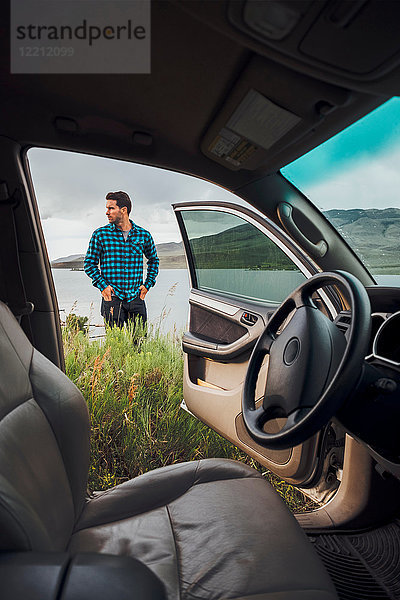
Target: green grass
[{"x": 133, "y": 388}]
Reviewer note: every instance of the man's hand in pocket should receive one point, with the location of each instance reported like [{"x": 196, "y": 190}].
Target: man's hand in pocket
[{"x": 107, "y": 293}]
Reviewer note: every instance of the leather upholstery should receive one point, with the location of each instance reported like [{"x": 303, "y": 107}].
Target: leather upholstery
[
  {"x": 57, "y": 575},
  {"x": 44, "y": 446},
  {"x": 209, "y": 529}
]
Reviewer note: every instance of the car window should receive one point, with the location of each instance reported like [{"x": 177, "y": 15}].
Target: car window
[
  {"x": 70, "y": 189},
  {"x": 354, "y": 178},
  {"x": 232, "y": 256}
]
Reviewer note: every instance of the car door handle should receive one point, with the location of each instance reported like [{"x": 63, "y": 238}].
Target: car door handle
[
  {"x": 248, "y": 319},
  {"x": 285, "y": 213}
]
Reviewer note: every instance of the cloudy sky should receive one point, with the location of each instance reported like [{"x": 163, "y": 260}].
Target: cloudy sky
[
  {"x": 71, "y": 188},
  {"x": 359, "y": 168}
]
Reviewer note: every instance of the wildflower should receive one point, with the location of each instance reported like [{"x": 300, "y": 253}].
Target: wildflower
[{"x": 133, "y": 387}]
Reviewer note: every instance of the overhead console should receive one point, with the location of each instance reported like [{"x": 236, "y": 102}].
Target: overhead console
[
  {"x": 352, "y": 43},
  {"x": 348, "y": 37},
  {"x": 314, "y": 67}
]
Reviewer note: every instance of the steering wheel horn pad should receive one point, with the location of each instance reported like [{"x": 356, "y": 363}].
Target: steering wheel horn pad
[
  {"x": 292, "y": 351},
  {"x": 312, "y": 368}
]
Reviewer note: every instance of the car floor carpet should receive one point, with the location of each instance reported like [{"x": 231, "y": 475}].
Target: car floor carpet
[{"x": 362, "y": 566}]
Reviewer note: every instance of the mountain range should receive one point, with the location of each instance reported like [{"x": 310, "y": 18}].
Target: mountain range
[
  {"x": 374, "y": 235},
  {"x": 171, "y": 256}
]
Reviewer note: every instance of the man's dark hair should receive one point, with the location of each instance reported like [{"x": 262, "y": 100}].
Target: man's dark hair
[{"x": 121, "y": 198}]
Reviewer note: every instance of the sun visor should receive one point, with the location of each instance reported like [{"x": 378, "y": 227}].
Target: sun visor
[{"x": 258, "y": 121}]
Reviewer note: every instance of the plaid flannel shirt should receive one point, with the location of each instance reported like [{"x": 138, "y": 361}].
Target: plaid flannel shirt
[{"x": 121, "y": 263}]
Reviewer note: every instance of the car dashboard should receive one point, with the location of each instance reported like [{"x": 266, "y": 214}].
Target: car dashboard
[{"x": 372, "y": 413}]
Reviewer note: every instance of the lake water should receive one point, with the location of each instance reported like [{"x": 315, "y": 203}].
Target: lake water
[{"x": 167, "y": 302}]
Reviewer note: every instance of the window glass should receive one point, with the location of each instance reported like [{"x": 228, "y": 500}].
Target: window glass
[
  {"x": 232, "y": 256},
  {"x": 354, "y": 178}
]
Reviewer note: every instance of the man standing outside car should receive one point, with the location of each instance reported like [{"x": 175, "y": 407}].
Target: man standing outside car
[{"x": 114, "y": 262}]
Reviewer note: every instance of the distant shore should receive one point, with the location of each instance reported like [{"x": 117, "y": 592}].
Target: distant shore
[{"x": 172, "y": 262}]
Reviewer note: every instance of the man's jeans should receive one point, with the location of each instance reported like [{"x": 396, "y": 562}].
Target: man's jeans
[{"x": 117, "y": 312}]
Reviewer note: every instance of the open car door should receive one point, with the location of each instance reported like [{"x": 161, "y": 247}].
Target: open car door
[{"x": 241, "y": 268}]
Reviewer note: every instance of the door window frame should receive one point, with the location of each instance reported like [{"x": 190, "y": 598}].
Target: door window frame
[{"x": 303, "y": 262}]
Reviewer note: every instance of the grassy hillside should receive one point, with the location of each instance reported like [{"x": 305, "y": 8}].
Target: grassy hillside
[
  {"x": 241, "y": 247},
  {"x": 373, "y": 234}
]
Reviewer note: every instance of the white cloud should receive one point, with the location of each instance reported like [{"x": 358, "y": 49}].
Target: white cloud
[
  {"x": 64, "y": 236},
  {"x": 372, "y": 184},
  {"x": 71, "y": 188}
]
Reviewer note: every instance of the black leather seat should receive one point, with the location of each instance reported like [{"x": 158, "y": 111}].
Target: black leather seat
[{"x": 208, "y": 529}]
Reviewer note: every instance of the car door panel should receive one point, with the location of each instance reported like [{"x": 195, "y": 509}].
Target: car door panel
[
  {"x": 220, "y": 330},
  {"x": 213, "y": 390},
  {"x": 224, "y": 324}
]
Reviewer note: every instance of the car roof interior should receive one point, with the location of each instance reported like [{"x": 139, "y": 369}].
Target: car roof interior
[{"x": 206, "y": 56}]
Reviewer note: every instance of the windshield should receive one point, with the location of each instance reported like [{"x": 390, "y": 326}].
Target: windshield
[{"x": 354, "y": 179}]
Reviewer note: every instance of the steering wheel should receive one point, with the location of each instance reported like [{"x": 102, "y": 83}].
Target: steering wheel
[{"x": 312, "y": 367}]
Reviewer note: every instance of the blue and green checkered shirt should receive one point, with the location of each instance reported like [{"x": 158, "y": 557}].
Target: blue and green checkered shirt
[{"x": 110, "y": 260}]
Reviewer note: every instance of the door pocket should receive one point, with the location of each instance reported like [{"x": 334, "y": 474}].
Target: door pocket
[{"x": 214, "y": 328}]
